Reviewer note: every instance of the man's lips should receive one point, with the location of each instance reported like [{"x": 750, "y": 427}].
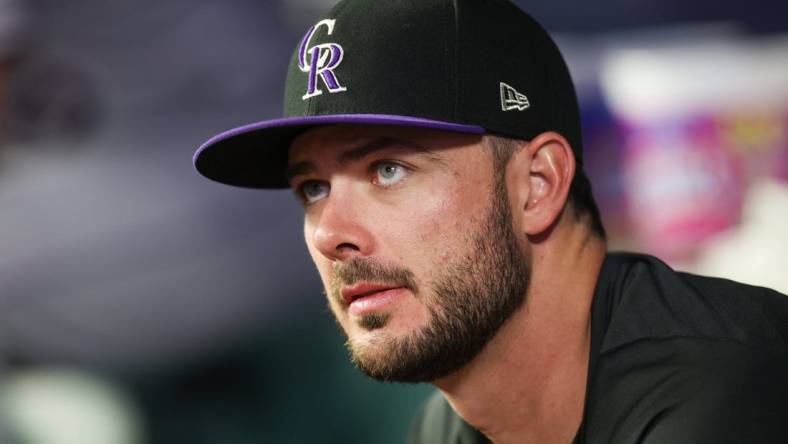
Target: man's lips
[{"x": 350, "y": 293}]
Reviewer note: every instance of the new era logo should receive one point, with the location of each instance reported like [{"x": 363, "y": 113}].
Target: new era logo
[{"x": 511, "y": 99}]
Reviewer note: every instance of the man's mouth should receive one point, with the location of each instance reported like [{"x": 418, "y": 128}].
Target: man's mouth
[{"x": 351, "y": 293}]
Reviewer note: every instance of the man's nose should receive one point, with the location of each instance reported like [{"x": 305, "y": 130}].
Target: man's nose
[{"x": 341, "y": 232}]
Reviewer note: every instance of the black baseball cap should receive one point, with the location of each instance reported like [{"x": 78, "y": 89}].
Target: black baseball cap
[{"x": 467, "y": 66}]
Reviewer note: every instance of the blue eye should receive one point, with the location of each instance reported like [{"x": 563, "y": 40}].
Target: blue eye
[
  {"x": 388, "y": 173},
  {"x": 312, "y": 191}
]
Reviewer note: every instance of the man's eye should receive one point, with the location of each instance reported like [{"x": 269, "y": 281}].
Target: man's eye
[
  {"x": 388, "y": 174},
  {"x": 312, "y": 191}
]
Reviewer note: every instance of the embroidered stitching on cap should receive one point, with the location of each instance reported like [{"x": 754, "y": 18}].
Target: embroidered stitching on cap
[
  {"x": 320, "y": 61},
  {"x": 512, "y": 99}
]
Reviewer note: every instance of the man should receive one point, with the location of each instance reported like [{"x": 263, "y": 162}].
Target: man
[{"x": 435, "y": 146}]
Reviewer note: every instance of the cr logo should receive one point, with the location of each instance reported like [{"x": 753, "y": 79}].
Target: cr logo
[{"x": 320, "y": 60}]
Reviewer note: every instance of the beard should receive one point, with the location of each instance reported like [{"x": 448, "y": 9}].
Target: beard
[{"x": 468, "y": 304}]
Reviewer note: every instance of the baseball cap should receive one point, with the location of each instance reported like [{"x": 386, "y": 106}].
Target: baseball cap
[{"x": 467, "y": 66}]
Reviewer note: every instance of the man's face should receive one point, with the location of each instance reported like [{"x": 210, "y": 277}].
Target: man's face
[{"x": 411, "y": 233}]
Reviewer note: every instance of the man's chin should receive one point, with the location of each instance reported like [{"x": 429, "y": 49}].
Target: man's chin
[
  {"x": 374, "y": 358},
  {"x": 387, "y": 354}
]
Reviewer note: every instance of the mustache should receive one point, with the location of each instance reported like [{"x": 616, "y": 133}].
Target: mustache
[{"x": 357, "y": 269}]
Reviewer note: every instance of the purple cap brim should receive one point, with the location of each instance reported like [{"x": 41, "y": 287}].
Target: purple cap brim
[{"x": 255, "y": 155}]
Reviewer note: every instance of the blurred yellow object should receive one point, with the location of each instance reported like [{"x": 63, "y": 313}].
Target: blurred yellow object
[{"x": 754, "y": 131}]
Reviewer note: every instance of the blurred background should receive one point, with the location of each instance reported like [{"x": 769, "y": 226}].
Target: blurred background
[{"x": 143, "y": 304}]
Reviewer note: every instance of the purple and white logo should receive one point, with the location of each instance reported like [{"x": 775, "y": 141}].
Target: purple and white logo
[{"x": 320, "y": 61}]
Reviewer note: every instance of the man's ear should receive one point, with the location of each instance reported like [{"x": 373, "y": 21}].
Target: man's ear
[{"x": 538, "y": 176}]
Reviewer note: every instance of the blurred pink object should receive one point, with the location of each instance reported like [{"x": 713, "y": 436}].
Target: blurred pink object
[
  {"x": 681, "y": 185},
  {"x": 702, "y": 120}
]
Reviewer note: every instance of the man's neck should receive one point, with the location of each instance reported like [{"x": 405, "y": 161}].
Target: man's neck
[{"x": 528, "y": 384}]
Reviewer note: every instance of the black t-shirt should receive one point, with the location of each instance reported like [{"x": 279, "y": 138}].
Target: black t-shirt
[{"x": 675, "y": 358}]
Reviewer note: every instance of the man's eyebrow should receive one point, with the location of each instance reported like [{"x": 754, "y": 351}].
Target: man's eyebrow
[
  {"x": 378, "y": 144},
  {"x": 381, "y": 143},
  {"x": 299, "y": 169}
]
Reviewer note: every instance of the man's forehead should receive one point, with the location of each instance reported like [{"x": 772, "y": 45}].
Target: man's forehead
[{"x": 337, "y": 138}]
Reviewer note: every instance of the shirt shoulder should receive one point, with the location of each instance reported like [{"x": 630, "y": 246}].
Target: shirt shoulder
[
  {"x": 683, "y": 358},
  {"x": 644, "y": 299},
  {"x": 688, "y": 390},
  {"x": 740, "y": 396}
]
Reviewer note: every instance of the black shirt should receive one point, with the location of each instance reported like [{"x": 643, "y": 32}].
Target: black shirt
[{"x": 675, "y": 358}]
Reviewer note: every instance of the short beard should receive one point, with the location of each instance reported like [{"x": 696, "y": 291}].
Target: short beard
[{"x": 471, "y": 302}]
